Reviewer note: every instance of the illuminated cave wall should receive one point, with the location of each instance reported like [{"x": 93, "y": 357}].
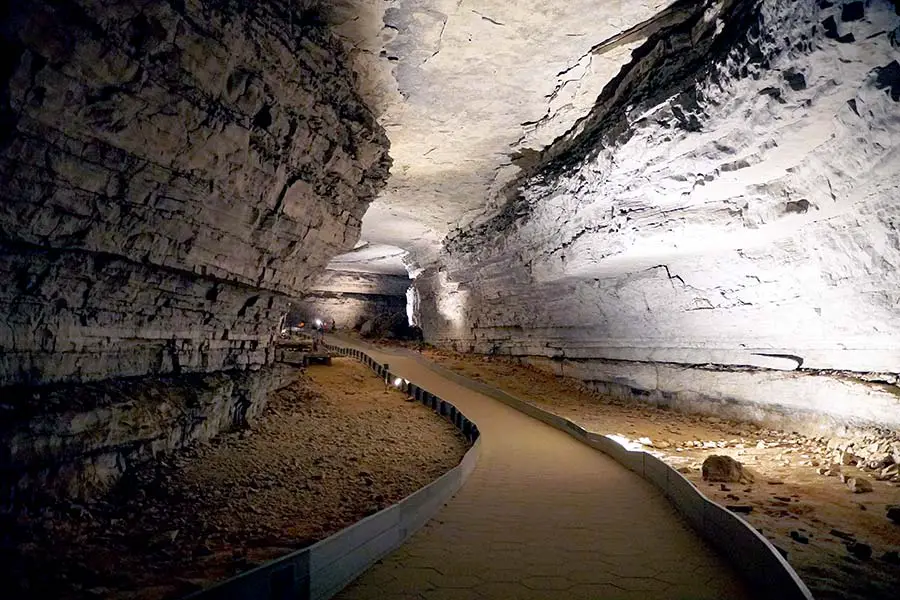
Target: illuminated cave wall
[{"x": 721, "y": 233}]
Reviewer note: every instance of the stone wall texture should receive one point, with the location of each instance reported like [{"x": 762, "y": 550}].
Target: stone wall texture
[
  {"x": 729, "y": 203},
  {"x": 76, "y": 440},
  {"x": 171, "y": 174}
]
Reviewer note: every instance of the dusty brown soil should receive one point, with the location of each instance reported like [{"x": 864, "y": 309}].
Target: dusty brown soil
[
  {"x": 331, "y": 448},
  {"x": 787, "y": 495}
]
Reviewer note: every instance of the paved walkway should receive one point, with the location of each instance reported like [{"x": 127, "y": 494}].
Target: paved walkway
[{"x": 543, "y": 516}]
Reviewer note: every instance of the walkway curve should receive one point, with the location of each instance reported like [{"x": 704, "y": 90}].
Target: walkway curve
[{"x": 543, "y": 516}]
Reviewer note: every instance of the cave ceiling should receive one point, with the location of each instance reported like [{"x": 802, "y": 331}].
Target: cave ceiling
[{"x": 470, "y": 90}]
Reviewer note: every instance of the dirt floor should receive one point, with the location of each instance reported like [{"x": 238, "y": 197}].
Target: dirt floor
[
  {"x": 822, "y": 527},
  {"x": 331, "y": 448}
]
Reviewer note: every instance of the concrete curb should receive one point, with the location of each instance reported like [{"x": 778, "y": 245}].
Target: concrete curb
[
  {"x": 751, "y": 554},
  {"x": 325, "y": 568}
]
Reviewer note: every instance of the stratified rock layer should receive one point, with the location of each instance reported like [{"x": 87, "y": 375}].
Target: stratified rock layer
[
  {"x": 171, "y": 174},
  {"x": 728, "y": 205},
  {"x": 76, "y": 440}
]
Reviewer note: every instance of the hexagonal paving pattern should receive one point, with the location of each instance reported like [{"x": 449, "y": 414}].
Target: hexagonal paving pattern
[{"x": 542, "y": 517}]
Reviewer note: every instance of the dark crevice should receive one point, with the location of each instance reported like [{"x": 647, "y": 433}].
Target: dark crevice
[{"x": 263, "y": 118}]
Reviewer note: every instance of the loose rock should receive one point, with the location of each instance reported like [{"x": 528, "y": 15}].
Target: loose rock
[
  {"x": 724, "y": 469},
  {"x": 799, "y": 537},
  {"x": 893, "y": 513},
  {"x": 841, "y": 534},
  {"x": 860, "y": 550}
]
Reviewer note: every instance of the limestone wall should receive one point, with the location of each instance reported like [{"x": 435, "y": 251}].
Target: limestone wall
[{"x": 172, "y": 173}]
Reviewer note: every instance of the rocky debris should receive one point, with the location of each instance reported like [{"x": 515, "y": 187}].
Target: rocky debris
[
  {"x": 832, "y": 471},
  {"x": 220, "y": 507},
  {"x": 845, "y": 458},
  {"x": 891, "y": 557},
  {"x": 889, "y": 472},
  {"x": 841, "y": 534},
  {"x": 739, "y": 508},
  {"x": 873, "y": 452},
  {"x": 724, "y": 469},
  {"x": 367, "y": 329},
  {"x": 859, "y": 485}
]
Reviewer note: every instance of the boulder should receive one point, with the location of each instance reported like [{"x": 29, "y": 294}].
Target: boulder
[
  {"x": 859, "y": 485},
  {"x": 893, "y": 513},
  {"x": 724, "y": 469},
  {"x": 367, "y": 329},
  {"x": 842, "y": 457}
]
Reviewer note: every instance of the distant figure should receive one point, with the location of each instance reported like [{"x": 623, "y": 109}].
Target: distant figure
[
  {"x": 318, "y": 335},
  {"x": 333, "y": 324}
]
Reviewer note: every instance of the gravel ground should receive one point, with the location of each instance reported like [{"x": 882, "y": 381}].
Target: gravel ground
[
  {"x": 331, "y": 448},
  {"x": 814, "y": 519}
]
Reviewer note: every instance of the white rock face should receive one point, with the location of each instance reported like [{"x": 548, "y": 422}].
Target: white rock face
[{"x": 730, "y": 200}]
